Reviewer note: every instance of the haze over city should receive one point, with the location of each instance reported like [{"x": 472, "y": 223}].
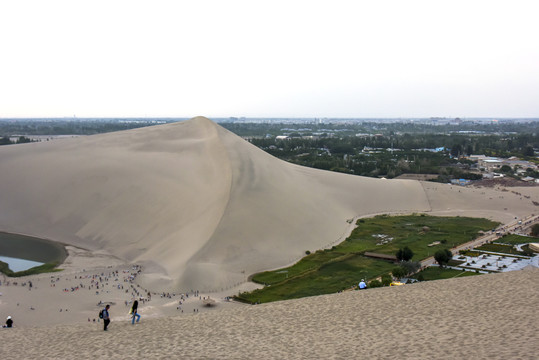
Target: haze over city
[
  {"x": 272, "y": 59},
  {"x": 269, "y": 180}
]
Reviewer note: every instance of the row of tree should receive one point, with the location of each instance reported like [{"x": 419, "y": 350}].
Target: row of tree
[
  {"x": 392, "y": 155},
  {"x": 407, "y": 267},
  {"x": 6, "y": 140}
]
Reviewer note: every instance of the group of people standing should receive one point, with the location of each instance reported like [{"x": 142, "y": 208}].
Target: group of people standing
[{"x": 133, "y": 312}]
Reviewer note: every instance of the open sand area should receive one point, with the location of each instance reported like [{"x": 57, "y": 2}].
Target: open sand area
[
  {"x": 200, "y": 208},
  {"x": 197, "y": 210},
  {"x": 89, "y": 281},
  {"x": 481, "y": 317}
]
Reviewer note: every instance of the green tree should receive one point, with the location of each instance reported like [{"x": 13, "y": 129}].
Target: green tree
[
  {"x": 410, "y": 267},
  {"x": 23, "y": 140},
  {"x": 398, "y": 272},
  {"x": 375, "y": 284},
  {"x": 528, "y": 151},
  {"x": 442, "y": 257},
  {"x": 404, "y": 254},
  {"x": 535, "y": 230},
  {"x": 386, "y": 279},
  {"x": 456, "y": 150},
  {"x": 5, "y": 140},
  {"x": 506, "y": 169}
]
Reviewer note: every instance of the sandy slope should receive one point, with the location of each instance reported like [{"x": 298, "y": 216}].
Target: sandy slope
[
  {"x": 201, "y": 208},
  {"x": 481, "y": 317}
]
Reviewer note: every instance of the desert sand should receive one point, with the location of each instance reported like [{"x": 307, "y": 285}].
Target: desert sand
[
  {"x": 88, "y": 282},
  {"x": 481, "y": 317},
  {"x": 201, "y": 208},
  {"x": 197, "y": 210}
]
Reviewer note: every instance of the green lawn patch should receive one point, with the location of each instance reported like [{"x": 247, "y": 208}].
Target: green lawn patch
[
  {"x": 499, "y": 248},
  {"x": 454, "y": 262},
  {"x": 438, "y": 273},
  {"x": 471, "y": 253},
  {"x": 328, "y": 278},
  {"x": 416, "y": 232},
  {"x": 342, "y": 266},
  {"x": 308, "y": 263},
  {"x": 516, "y": 239}
]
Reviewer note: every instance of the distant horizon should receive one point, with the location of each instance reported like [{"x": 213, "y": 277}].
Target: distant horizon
[
  {"x": 492, "y": 118},
  {"x": 279, "y": 59}
]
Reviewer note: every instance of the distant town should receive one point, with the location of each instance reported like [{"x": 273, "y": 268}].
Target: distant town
[{"x": 450, "y": 150}]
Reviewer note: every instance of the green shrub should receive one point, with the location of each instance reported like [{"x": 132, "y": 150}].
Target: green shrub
[
  {"x": 386, "y": 279},
  {"x": 410, "y": 267},
  {"x": 375, "y": 284},
  {"x": 398, "y": 272},
  {"x": 535, "y": 230},
  {"x": 404, "y": 254},
  {"x": 442, "y": 257}
]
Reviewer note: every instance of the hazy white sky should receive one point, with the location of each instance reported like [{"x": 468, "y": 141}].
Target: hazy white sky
[{"x": 269, "y": 58}]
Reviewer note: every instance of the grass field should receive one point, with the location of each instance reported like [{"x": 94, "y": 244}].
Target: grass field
[
  {"x": 436, "y": 273},
  {"x": 416, "y": 232},
  {"x": 516, "y": 239},
  {"x": 330, "y": 277},
  {"x": 342, "y": 266},
  {"x": 499, "y": 248}
]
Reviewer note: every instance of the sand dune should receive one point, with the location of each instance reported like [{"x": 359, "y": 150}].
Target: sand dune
[
  {"x": 481, "y": 317},
  {"x": 200, "y": 207}
]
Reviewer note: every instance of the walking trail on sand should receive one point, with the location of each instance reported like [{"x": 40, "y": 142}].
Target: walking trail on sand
[{"x": 481, "y": 317}]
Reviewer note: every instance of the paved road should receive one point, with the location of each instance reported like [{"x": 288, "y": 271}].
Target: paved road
[{"x": 523, "y": 227}]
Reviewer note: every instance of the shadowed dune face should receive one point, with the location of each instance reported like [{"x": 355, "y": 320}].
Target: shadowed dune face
[
  {"x": 277, "y": 211},
  {"x": 154, "y": 194},
  {"x": 200, "y": 207}
]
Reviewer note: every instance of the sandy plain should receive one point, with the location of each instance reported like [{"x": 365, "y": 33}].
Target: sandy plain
[
  {"x": 200, "y": 209},
  {"x": 481, "y": 317}
]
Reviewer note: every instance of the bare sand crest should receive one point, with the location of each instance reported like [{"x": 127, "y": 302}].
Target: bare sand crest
[
  {"x": 197, "y": 205},
  {"x": 200, "y": 207},
  {"x": 482, "y": 317}
]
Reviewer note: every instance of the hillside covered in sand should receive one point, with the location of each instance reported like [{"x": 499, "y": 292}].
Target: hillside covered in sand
[
  {"x": 200, "y": 207},
  {"x": 478, "y": 317}
]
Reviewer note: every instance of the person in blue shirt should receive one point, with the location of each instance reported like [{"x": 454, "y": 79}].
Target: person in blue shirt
[{"x": 362, "y": 285}]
